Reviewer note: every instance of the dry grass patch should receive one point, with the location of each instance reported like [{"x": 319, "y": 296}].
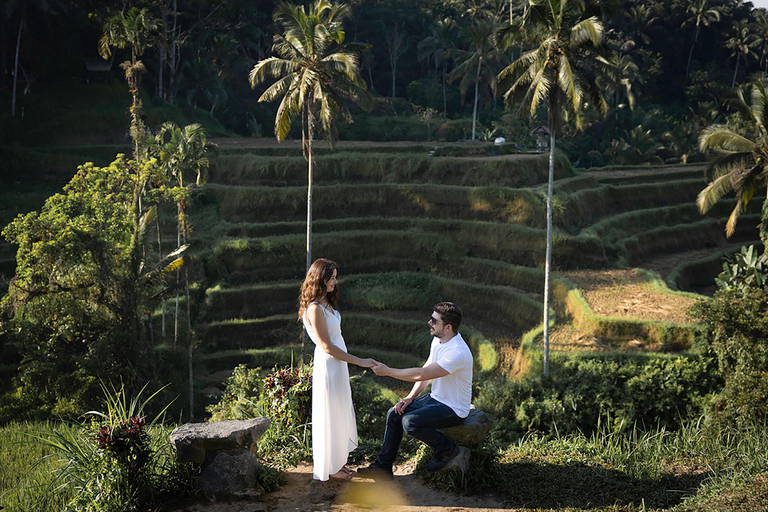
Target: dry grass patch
[{"x": 627, "y": 294}]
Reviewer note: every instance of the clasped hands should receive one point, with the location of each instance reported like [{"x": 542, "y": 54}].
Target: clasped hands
[{"x": 379, "y": 369}]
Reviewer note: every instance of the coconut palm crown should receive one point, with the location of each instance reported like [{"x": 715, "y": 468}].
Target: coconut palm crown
[
  {"x": 316, "y": 70},
  {"x": 739, "y": 162},
  {"x": 562, "y": 69}
]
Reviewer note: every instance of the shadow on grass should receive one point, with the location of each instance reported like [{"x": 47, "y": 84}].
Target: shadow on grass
[{"x": 577, "y": 485}]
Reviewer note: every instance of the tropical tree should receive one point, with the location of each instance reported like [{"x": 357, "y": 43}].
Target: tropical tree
[
  {"x": 436, "y": 48},
  {"x": 182, "y": 154},
  {"x": 82, "y": 288},
  {"x": 700, "y": 14},
  {"x": 740, "y": 43},
  {"x": 316, "y": 71},
  {"x": 478, "y": 64},
  {"x": 20, "y": 9},
  {"x": 761, "y": 39},
  {"x": 135, "y": 29},
  {"x": 561, "y": 73},
  {"x": 740, "y": 162}
]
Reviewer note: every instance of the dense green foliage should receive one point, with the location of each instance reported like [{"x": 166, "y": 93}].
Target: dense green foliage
[
  {"x": 73, "y": 310},
  {"x": 621, "y": 391},
  {"x": 738, "y": 322}
]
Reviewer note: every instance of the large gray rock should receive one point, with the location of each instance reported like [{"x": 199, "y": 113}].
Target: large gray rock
[
  {"x": 229, "y": 472},
  {"x": 194, "y": 440},
  {"x": 472, "y": 432}
]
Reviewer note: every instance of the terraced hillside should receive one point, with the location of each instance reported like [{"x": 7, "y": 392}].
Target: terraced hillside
[{"x": 409, "y": 228}]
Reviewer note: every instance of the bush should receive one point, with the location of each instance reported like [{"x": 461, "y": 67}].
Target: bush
[
  {"x": 120, "y": 462},
  {"x": 738, "y": 322},
  {"x": 285, "y": 397},
  {"x": 585, "y": 390}
]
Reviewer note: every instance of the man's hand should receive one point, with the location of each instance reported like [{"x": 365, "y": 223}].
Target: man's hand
[
  {"x": 402, "y": 405},
  {"x": 381, "y": 369}
]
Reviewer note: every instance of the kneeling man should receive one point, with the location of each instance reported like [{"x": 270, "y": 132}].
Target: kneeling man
[{"x": 449, "y": 369}]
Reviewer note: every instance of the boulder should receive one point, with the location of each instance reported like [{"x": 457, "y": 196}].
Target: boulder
[
  {"x": 194, "y": 440},
  {"x": 472, "y": 432},
  {"x": 226, "y": 451},
  {"x": 229, "y": 473}
]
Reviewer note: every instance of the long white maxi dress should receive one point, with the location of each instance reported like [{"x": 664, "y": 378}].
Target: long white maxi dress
[{"x": 334, "y": 426}]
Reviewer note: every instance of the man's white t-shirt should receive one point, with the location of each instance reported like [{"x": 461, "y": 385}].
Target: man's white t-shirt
[{"x": 455, "y": 389}]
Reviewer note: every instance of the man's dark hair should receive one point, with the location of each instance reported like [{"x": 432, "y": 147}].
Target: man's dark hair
[{"x": 450, "y": 313}]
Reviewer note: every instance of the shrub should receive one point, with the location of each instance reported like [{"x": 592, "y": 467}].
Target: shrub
[
  {"x": 584, "y": 390},
  {"x": 284, "y": 396},
  {"x": 121, "y": 462},
  {"x": 240, "y": 398},
  {"x": 738, "y": 322}
]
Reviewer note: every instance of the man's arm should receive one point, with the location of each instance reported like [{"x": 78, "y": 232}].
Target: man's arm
[{"x": 426, "y": 373}]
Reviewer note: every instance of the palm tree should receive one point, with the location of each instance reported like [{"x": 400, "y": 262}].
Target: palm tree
[
  {"x": 21, "y": 8},
  {"x": 761, "y": 39},
  {"x": 183, "y": 153},
  {"x": 136, "y": 30},
  {"x": 316, "y": 71},
  {"x": 478, "y": 64},
  {"x": 561, "y": 73},
  {"x": 740, "y": 163},
  {"x": 740, "y": 44},
  {"x": 436, "y": 48},
  {"x": 699, "y": 15}
]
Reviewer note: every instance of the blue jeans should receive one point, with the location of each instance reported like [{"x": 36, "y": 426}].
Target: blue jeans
[{"x": 421, "y": 420}]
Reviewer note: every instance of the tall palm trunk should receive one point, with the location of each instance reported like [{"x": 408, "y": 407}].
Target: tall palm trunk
[
  {"x": 733, "y": 82},
  {"x": 16, "y": 69},
  {"x": 310, "y": 161},
  {"x": 477, "y": 93},
  {"x": 159, "y": 258},
  {"x": 548, "y": 260},
  {"x": 690, "y": 53},
  {"x": 445, "y": 94}
]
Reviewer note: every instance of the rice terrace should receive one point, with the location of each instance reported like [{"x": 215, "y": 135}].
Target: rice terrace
[{"x": 586, "y": 180}]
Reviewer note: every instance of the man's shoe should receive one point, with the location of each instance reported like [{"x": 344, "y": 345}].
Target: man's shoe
[
  {"x": 441, "y": 459},
  {"x": 376, "y": 472}
]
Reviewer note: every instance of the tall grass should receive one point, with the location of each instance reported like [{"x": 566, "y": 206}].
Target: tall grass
[{"x": 28, "y": 467}]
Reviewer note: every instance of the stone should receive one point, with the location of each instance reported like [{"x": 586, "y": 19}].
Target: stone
[
  {"x": 227, "y": 453},
  {"x": 460, "y": 461},
  {"x": 194, "y": 441},
  {"x": 229, "y": 472},
  {"x": 472, "y": 432}
]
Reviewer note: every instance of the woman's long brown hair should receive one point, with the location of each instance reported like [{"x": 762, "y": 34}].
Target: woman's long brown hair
[{"x": 313, "y": 288}]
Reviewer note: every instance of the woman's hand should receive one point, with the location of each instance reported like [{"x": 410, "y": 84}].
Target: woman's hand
[{"x": 367, "y": 362}]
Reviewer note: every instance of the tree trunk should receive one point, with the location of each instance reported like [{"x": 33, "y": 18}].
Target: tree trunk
[
  {"x": 690, "y": 53},
  {"x": 445, "y": 94},
  {"x": 16, "y": 70},
  {"x": 191, "y": 385},
  {"x": 159, "y": 258},
  {"x": 163, "y": 52},
  {"x": 174, "y": 57},
  {"x": 178, "y": 279},
  {"x": 548, "y": 260},
  {"x": 477, "y": 89},
  {"x": 310, "y": 160},
  {"x": 191, "y": 345},
  {"x": 733, "y": 82}
]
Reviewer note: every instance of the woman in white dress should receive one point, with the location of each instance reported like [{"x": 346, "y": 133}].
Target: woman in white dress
[{"x": 334, "y": 427}]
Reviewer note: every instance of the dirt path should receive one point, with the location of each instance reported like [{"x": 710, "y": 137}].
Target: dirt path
[{"x": 405, "y": 494}]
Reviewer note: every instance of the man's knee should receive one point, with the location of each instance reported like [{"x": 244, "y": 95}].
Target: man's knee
[
  {"x": 392, "y": 416},
  {"x": 410, "y": 424}
]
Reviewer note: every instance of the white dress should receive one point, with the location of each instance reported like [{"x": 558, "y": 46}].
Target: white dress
[{"x": 334, "y": 426}]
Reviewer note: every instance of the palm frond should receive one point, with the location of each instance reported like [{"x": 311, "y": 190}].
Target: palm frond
[
  {"x": 712, "y": 193},
  {"x": 721, "y": 137}
]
